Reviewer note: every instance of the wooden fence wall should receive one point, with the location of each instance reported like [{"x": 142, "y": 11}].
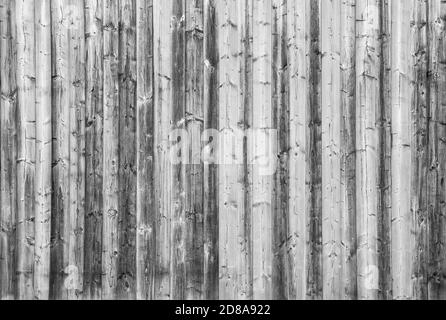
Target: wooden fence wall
[{"x": 103, "y": 106}]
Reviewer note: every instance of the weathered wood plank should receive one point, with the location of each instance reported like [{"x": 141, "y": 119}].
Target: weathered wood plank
[
  {"x": 403, "y": 92},
  {"x": 437, "y": 154},
  {"x": 179, "y": 140},
  {"x": 127, "y": 77},
  {"x": 61, "y": 148},
  {"x": 331, "y": 149},
  {"x": 193, "y": 183},
  {"x": 282, "y": 273},
  {"x": 8, "y": 147},
  {"x": 145, "y": 210},
  {"x": 75, "y": 270},
  {"x": 261, "y": 143},
  {"x": 246, "y": 88},
  {"x": 420, "y": 155},
  {"x": 110, "y": 233},
  {"x": 233, "y": 238},
  {"x": 385, "y": 154},
  {"x": 368, "y": 61},
  {"x": 300, "y": 109},
  {"x": 348, "y": 148},
  {"x": 26, "y": 147},
  {"x": 61, "y": 144},
  {"x": 69, "y": 150},
  {"x": 163, "y": 109},
  {"x": 209, "y": 153},
  {"x": 43, "y": 150},
  {"x": 314, "y": 132},
  {"x": 93, "y": 149}
]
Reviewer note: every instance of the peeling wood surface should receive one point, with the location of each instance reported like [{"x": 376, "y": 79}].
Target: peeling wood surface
[{"x": 233, "y": 149}]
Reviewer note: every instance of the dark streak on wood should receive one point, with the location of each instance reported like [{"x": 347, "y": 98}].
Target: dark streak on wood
[
  {"x": 282, "y": 272},
  {"x": 385, "y": 161},
  {"x": 93, "y": 151},
  {"x": 420, "y": 155},
  {"x": 126, "y": 286},
  {"x": 193, "y": 184},
  {"x": 178, "y": 121},
  {"x": 247, "y": 125},
  {"x": 210, "y": 173},
  {"x": 314, "y": 276},
  {"x": 145, "y": 213}
]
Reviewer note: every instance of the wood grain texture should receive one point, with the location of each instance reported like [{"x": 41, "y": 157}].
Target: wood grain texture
[
  {"x": 26, "y": 147},
  {"x": 127, "y": 78},
  {"x": 368, "y": 70},
  {"x": 68, "y": 88},
  {"x": 43, "y": 188},
  {"x": 162, "y": 40},
  {"x": 194, "y": 125},
  {"x": 234, "y": 246},
  {"x": 8, "y": 146},
  {"x": 210, "y": 167},
  {"x": 403, "y": 94},
  {"x": 331, "y": 34},
  {"x": 111, "y": 137},
  {"x": 94, "y": 150},
  {"x": 145, "y": 211},
  {"x": 385, "y": 156},
  {"x": 233, "y": 149},
  {"x": 436, "y": 174}
]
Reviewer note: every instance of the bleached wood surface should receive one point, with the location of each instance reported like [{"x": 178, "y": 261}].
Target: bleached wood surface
[{"x": 108, "y": 189}]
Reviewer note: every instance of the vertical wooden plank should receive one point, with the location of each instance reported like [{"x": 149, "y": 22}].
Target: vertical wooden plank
[
  {"x": 178, "y": 140},
  {"x": 78, "y": 151},
  {"x": 194, "y": 169},
  {"x": 409, "y": 154},
  {"x": 227, "y": 207},
  {"x": 246, "y": 175},
  {"x": 262, "y": 130},
  {"x": 126, "y": 286},
  {"x": 61, "y": 201},
  {"x": 75, "y": 270},
  {"x": 8, "y": 147},
  {"x": 110, "y": 244},
  {"x": 43, "y": 150},
  {"x": 437, "y": 154},
  {"x": 368, "y": 60},
  {"x": 299, "y": 109},
  {"x": 419, "y": 143},
  {"x": 385, "y": 154},
  {"x": 233, "y": 239},
  {"x": 61, "y": 148},
  {"x": 348, "y": 148},
  {"x": 314, "y": 133},
  {"x": 283, "y": 281},
  {"x": 93, "y": 149},
  {"x": 442, "y": 148},
  {"x": 338, "y": 152},
  {"x": 145, "y": 211},
  {"x": 163, "y": 106},
  {"x": 331, "y": 164},
  {"x": 298, "y": 99},
  {"x": 403, "y": 28},
  {"x": 210, "y": 147},
  {"x": 226, "y": 270},
  {"x": 69, "y": 150},
  {"x": 26, "y": 146}
]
